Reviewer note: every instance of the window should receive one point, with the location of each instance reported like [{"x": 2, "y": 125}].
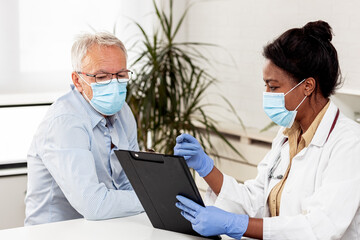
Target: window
[
  {"x": 37, "y": 36},
  {"x": 35, "y": 62}
]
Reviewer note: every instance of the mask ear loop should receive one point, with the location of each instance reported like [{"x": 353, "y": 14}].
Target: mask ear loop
[
  {"x": 295, "y": 86},
  {"x": 300, "y": 103},
  {"x": 293, "y": 89},
  {"x": 83, "y": 93},
  {"x": 83, "y": 80}
]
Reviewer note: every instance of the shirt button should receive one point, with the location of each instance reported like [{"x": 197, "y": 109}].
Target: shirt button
[{"x": 105, "y": 133}]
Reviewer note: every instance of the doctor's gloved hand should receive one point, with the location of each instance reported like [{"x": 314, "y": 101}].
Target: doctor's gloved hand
[
  {"x": 210, "y": 221},
  {"x": 188, "y": 147}
]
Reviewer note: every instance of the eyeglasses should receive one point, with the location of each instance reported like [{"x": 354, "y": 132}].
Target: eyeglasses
[{"x": 106, "y": 78}]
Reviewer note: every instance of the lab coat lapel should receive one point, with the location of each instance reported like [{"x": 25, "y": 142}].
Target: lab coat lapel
[{"x": 324, "y": 127}]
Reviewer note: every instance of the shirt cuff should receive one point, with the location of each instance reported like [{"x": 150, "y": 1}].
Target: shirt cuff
[{"x": 211, "y": 197}]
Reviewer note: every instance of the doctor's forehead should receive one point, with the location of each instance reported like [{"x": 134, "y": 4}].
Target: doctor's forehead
[{"x": 273, "y": 73}]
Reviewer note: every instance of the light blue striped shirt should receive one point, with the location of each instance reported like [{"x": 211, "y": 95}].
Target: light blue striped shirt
[{"x": 72, "y": 170}]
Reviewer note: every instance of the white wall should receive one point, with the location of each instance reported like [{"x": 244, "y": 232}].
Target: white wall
[{"x": 243, "y": 27}]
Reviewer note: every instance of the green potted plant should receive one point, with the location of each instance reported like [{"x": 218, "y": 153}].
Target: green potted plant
[{"x": 166, "y": 94}]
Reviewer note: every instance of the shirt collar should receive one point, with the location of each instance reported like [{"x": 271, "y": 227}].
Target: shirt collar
[
  {"x": 324, "y": 127},
  {"x": 322, "y": 122},
  {"x": 95, "y": 116},
  {"x": 112, "y": 119},
  {"x": 310, "y": 132},
  {"x": 292, "y": 130}
]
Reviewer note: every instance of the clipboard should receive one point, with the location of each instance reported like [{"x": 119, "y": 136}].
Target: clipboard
[{"x": 156, "y": 180}]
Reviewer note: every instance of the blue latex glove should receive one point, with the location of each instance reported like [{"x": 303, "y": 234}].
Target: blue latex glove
[
  {"x": 188, "y": 147},
  {"x": 210, "y": 221}
]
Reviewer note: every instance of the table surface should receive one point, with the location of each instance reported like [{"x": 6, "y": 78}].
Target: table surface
[{"x": 134, "y": 227}]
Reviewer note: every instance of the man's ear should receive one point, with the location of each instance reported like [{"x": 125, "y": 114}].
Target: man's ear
[
  {"x": 76, "y": 80},
  {"x": 310, "y": 85}
]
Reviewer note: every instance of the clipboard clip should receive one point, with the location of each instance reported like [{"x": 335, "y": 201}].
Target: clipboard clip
[{"x": 147, "y": 157}]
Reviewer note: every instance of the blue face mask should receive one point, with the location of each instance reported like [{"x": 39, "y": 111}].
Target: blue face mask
[
  {"x": 274, "y": 107},
  {"x": 109, "y": 98}
]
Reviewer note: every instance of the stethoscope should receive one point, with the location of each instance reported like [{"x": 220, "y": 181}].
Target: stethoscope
[
  {"x": 278, "y": 158},
  {"x": 276, "y": 164}
]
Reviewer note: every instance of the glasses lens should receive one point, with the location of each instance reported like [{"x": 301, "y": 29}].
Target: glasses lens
[
  {"x": 124, "y": 75},
  {"x": 103, "y": 78}
]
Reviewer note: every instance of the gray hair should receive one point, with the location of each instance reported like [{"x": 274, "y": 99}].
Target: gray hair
[{"x": 84, "y": 41}]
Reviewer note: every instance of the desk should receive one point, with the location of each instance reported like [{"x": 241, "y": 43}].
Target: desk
[{"x": 134, "y": 227}]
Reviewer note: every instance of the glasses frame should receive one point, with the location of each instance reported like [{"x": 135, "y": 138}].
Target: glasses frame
[{"x": 122, "y": 80}]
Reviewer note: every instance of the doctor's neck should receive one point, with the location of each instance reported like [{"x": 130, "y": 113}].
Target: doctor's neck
[{"x": 310, "y": 110}]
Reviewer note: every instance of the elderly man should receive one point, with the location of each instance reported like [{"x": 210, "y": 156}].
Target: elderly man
[{"x": 72, "y": 169}]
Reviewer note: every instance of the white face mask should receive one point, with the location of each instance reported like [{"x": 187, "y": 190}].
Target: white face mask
[{"x": 274, "y": 107}]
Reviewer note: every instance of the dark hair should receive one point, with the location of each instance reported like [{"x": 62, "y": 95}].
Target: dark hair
[{"x": 307, "y": 52}]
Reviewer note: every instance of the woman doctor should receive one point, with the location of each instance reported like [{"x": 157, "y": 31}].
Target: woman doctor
[{"x": 308, "y": 185}]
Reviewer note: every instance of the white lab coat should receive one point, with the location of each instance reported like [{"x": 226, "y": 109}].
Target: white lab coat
[{"x": 321, "y": 197}]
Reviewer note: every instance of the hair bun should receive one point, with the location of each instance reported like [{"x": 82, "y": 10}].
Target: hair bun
[{"x": 319, "y": 29}]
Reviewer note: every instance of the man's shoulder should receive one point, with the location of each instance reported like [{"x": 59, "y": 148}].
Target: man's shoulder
[
  {"x": 63, "y": 116},
  {"x": 68, "y": 104},
  {"x": 66, "y": 109}
]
